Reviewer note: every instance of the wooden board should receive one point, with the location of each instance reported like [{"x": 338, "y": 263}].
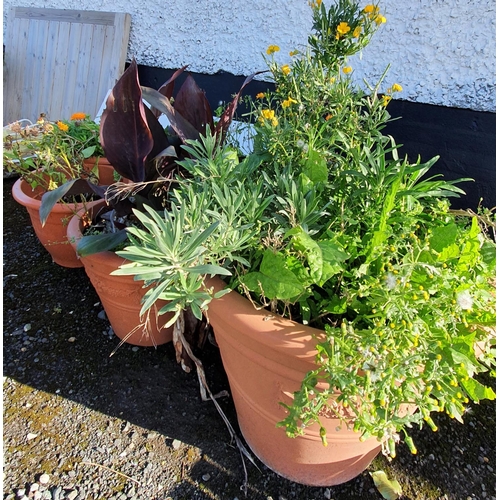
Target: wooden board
[{"x": 60, "y": 62}]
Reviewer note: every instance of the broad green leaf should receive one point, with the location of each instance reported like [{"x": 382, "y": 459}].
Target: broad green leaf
[
  {"x": 443, "y": 237},
  {"x": 489, "y": 253},
  {"x": 100, "y": 242},
  {"x": 389, "y": 489},
  {"x": 333, "y": 257},
  {"x": 275, "y": 280},
  {"x": 315, "y": 167},
  {"x": 306, "y": 245},
  {"x": 476, "y": 390}
]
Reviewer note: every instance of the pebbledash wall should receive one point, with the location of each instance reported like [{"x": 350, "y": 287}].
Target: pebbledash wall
[{"x": 442, "y": 52}]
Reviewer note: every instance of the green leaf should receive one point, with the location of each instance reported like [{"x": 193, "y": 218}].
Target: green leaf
[
  {"x": 100, "y": 242},
  {"x": 443, "y": 237},
  {"x": 315, "y": 167},
  {"x": 477, "y": 391},
  {"x": 208, "y": 269},
  {"x": 275, "y": 280},
  {"x": 389, "y": 489}
]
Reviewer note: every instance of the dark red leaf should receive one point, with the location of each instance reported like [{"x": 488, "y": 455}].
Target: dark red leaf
[
  {"x": 124, "y": 132},
  {"x": 227, "y": 117},
  {"x": 193, "y": 105},
  {"x": 167, "y": 89}
]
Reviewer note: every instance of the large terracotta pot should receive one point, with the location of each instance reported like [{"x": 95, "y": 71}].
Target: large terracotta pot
[
  {"x": 120, "y": 295},
  {"x": 105, "y": 171},
  {"x": 53, "y": 234},
  {"x": 265, "y": 358}
]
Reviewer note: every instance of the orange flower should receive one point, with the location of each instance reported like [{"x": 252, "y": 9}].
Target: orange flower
[
  {"x": 62, "y": 126},
  {"x": 78, "y": 116},
  {"x": 260, "y": 95}
]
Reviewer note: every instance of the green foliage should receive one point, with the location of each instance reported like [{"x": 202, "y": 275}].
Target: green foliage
[
  {"x": 326, "y": 224},
  {"x": 58, "y": 148}
]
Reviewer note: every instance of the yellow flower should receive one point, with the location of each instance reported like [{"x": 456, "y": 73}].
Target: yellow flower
[
  {"x": 62, "y": 126},
  {"x": 371, "y": 9},
  {"x": 52, "y": 185},
  {"x": 315, "y": 4},
  {"x": 78, "y": 116},
  {"x": 380, "y": 19},
  {"x": 343, "y": 28},
  {"x": 260, "y": 95},
  {"x": 385, "y": 100},
  {"x": 293, "y": 53},
  {"x": 268, "y": 114},
  {"x": 274, "y": 122},
  {"x": 272, "y": 49},
  {"x": 356, "y": 32},
  {"x": 347, "y": 69},
  {"x": 288, "y": 102},
  {"x": 286, "y": 69},
  {"x": 397, "y": 88}
]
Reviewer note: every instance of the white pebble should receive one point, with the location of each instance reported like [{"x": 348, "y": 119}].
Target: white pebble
[
  {"x": 34, "y": 487},
  {"x": 44, "y": 479},
  {"x": 31, "y": 436},
  {"x": 37, "y": 495},
  {"x": 205, "y": 477},
  {"x": 71, "y": 339},
  {"x": 176, "y": 444}
]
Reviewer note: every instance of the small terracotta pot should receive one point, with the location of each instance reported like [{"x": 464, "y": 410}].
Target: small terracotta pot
[
  {"x": 265, "y": 358},
  {"x": 105, "y": 171},
  {"x": 53, "y": 234},
  {"x": 120, "y": 295}
]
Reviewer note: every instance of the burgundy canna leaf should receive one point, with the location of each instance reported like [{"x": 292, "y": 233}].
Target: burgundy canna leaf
[
  {"x": 227, "y": 116},
  {"x": 167, "y": 89},
  {"x": 181, "y": 126},
  {"x": 124, "y": 132},
  {"x": 193, "y": 105}
]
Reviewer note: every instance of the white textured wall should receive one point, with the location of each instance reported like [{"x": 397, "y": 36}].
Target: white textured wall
[{"x": 440, "y": 51}]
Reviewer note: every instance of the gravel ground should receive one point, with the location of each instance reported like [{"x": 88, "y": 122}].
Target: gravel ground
[{"x": 79, "y": 424}]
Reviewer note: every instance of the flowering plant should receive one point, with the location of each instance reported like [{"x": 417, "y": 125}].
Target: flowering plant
[
  {"x": 325, "y": 223},
  {"x": 47, "y": 154}
]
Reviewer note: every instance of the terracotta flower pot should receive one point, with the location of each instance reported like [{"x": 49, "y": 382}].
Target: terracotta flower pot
[
  {"x": 120, "y": 295},
  {"x": 53, "y": 234},
  {"x": 105, "y": 170},
  {"x": 265, "y": 358}
]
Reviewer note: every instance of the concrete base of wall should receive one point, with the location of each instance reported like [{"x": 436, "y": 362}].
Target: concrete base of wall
[{"x": 464, "y": 140}]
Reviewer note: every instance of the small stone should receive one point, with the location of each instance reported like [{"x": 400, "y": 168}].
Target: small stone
[
  {"x": 44, "y": 479},
  {"x": 71, "y": 339},
  {"x": 56, "y": 494},
  {"x": 432, "y": 457},
  {"x": 47, "y": 495},
  {"x": 31, "y": 436},
  {"x": 21, "y": 492},
  {"x": 37, "y": 495},
  {"x": 72, "y": 494},
  {"x": 27, "y": 327},
  {"x": 71, "y": 473},
  {"x": 176, "y": 444},
  {"x": 327, "y": 494},
  {"x": 34, "y": 487},
  {"x": 486, "y": 460},
  {"x": 206, "y": 477},
  {"x": 102, "y": 315}
]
